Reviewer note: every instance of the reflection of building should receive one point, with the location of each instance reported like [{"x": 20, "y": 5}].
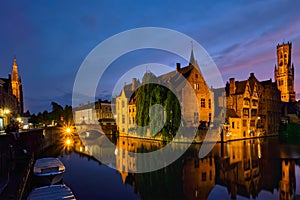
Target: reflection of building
[
  {"x": 284, "y": 72},
  {"x": 11, "y": 97},
  {"x": 288, "y": 182},
  {"x": 198, "y": 177},
  {"x": 240, "y": 170}
]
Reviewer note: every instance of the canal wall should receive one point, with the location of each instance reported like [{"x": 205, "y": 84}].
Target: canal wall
[{"x": 17, "y": 154}]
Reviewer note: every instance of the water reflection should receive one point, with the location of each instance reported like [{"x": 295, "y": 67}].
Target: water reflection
[{"x": 264, "y": 168}]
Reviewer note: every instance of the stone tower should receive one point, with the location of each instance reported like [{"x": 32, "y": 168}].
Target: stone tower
[
  {"x": 17, "y": 86},
  {"x": 284, "y": 72}
]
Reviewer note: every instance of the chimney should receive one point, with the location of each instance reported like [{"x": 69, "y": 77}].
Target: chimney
[
  {"x": 252, "y": 74},
  {"x": 133, "y": 84},
  {"x": 177, "y": 66},
  {"x": 231, "y": 86}
]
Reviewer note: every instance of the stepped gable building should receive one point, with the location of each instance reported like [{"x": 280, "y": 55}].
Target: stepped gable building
[
  {"x": 284, "y": 72},
  {"x": 254, "y": 107}
]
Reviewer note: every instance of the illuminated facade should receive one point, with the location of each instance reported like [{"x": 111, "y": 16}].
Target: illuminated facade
[
  {"x": 11, "y": 97},
  {"x": 126, "y": 108},
  {"x": 204, "y": 94},
  {"x": 253, "y": 108},
  {"x": 195, "y": 82},
  {"x": 284, "y": 72}
]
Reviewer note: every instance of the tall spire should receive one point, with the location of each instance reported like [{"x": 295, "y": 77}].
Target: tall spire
[
  {"x": 15, "y": 61},
  {"x": 192, "y": 57},
  {"x": 15, "y": 74}
]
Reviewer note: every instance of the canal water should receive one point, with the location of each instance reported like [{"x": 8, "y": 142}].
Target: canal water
[{"x": 263, "y": 168}]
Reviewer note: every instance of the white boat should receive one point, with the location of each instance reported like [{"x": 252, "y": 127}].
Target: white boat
[
  {"x": 49, "y": 170},
  {"x": 51, "y": 192}
]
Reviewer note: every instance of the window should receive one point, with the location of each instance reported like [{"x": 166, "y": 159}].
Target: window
[
  {"x": 246, "y": 112},
  {"x": 123, "y": 119},
  {"x": 196, "y": 117},
  {"x": 209, "y": 103},
  {"x": 232, "y": 125},
  {"x": 196, "y": 86},
  {"x": 254, "y": 102},
  {"x": 253, "y": 112},
  {"x": 202, "y": 103},
  {"x": 196, "y": 75},
  {"x": 129, "y": 110},
  {"x": 203, "y": 176},
  {"x": 246, "y": 101},
  {"x": 252, "y": 123},
  {"x": 238, "y": 125},
  {"x": 123, "y": 104}
]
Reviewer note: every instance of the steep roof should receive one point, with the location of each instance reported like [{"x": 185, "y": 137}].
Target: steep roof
[
  {"x": 240, "y": 86},
  {"x": 231, "y": 113}
]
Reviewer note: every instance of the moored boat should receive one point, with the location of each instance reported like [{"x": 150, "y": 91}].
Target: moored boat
[
  {"x": 51, "y": 192},
  {"x": 49, "y": 170}
]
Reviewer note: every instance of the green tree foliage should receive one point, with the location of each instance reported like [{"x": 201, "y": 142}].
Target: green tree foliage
[
  {"x": 58, "y": 114},
  {"x": 148, "y": 98}
]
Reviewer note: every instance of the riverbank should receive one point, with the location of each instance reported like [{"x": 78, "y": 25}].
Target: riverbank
[
  {"x": 199, "y": 137},
  {"x": 17, "y": 157}
]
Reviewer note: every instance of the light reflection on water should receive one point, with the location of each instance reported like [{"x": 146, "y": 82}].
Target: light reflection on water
[{"x": 247, "y": 169}]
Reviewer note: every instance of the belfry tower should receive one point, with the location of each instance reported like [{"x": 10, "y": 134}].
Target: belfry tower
[
  {"x": 284, "y": 72},
  {"x": 16, "y": 84}
]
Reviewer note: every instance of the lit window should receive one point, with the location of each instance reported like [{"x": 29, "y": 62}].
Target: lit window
[{"x": 202, "y": 103}]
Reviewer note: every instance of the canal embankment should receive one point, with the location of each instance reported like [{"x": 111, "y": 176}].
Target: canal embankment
[{"x": 17, "y": 155}]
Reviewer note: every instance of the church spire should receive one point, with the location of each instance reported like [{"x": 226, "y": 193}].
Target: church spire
[
  {"x": 15, "y": 74},
  {"x": 192, "y": 57},
  {"x": 15, "y": 61},
  {"x": 193, "y": 61}
]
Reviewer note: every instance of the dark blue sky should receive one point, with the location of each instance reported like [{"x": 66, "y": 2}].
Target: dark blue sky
[{"x": 52, "y": 38}]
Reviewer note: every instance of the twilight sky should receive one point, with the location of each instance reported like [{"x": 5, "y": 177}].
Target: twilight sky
[{"x": 52, "y": 38}]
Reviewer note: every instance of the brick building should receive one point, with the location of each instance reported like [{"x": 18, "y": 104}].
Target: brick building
[
  {"x": 11, "y": 97},
  {"x": 185, "y": 80}
]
